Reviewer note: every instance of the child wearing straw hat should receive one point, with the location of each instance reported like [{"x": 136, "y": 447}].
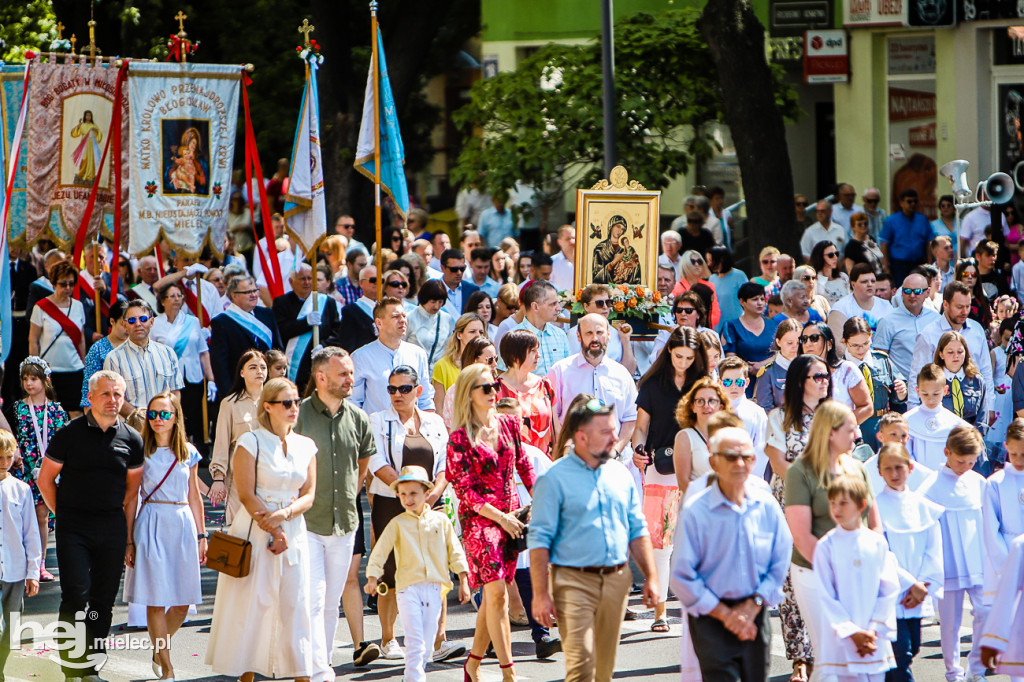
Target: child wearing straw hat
[{"x": 426, "y": 548}]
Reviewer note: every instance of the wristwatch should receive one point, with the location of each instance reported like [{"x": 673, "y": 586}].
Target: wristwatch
[
  {"x": 758, "y": 600},
  {"x": 203, "y": 536}
]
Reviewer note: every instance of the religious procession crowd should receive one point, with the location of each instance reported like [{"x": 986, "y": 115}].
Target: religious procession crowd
[{"x": 835, "y": 437}]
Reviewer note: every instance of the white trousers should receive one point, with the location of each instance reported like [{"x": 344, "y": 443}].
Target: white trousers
[
  {"x": 329, "y": 559},
  {"x": 419, "y": 608},
  {"x": 951, "y": 614},
  {"x": 806, "y": 589}
]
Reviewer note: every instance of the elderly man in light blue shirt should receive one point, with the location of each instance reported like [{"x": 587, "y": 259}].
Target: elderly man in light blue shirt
[
  {"x": 898, "y": 331},
  {"x": 586, "y": 521},
  {"x": 732, "y": 553}
]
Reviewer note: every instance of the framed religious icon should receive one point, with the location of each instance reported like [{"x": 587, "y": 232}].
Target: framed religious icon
[{"x": 617, "y": 238}]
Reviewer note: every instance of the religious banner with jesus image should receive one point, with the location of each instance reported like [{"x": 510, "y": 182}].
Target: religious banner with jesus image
[
  {"x": 183, "y": 119},
  {"x": 70, "y": 109}
]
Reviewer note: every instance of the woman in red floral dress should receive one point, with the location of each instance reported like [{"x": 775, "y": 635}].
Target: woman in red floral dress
[{"x": 483, "y": 452}]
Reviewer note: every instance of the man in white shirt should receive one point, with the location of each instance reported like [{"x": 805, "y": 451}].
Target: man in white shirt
[
  {"x": 972, "y": 229},
  {"x": 563, "y": 263},
  {"x": 822, "y": 230},
  {"x": 956, "y": 305},
  {"x": 861, "y": 302},
  {"x": 592, "y": 371},
  {"x": 374, "y": 361},
  {"x": 846, "y": 207},
  {"x": 148, "y": 367},
  {"x": 285, "y": 259},
  {"x": 148, "y": 273}
]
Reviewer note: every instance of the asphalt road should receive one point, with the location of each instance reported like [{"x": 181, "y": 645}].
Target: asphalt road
[{"x": 642, "y": 653}]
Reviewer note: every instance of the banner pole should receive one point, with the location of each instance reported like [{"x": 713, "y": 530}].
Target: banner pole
[
  {"x": 96, "y": 288},
  {"x": 199, "y": 314},
  {"x": 376, "y": 143}
]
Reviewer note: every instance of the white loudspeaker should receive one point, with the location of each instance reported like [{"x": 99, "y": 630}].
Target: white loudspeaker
[{"x": 956, "y": 173}]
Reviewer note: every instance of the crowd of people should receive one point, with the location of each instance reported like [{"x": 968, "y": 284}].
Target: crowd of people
[{"x": 839, "y": 436}]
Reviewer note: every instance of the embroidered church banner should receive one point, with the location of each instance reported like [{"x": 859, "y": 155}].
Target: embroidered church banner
[
  {"x": 70, "y": 109},
  {"x": 183, "y": 119},
  {"x": 12, "y": 80}
]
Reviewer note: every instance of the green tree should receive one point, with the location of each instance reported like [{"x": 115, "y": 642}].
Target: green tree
[
  {"x": 24, "y": 26},
  {"x": 542, "y": 123}
]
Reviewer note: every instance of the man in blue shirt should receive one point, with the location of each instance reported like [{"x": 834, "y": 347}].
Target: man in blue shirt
[
  {"x": 586, "y": 521},
  {"x": 732, "y": 554},
  {"x": 905, "y": 237},
  {"x": 496, "y": 222}
]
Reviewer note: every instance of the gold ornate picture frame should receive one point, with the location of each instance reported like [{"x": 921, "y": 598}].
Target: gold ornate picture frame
[{"x": 617, "y": 236}]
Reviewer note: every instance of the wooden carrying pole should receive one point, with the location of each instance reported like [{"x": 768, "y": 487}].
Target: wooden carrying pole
[
  {"x": 305, "y": 30},
  {"x": 199, "y": 314},
  {"x": 376, "y": 143}
]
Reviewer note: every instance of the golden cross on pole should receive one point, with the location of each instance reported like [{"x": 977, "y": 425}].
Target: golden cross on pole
[
  {"x": 73, "y": 40},
  {"x": 60, "y": 31},
  {"x": 305, "y": 30},
  {"x": 180, "y": 17}
]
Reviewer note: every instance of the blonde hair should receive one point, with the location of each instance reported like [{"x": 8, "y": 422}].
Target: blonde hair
[
  {"x": 893, "y": 450},
  {"x": 1015, "y": 431},
  {"x": 829, "y": 416},
  {"x": 273, "y": 388},
  {"x": 723, "y": 419},
  {"x": 463, "y": 416},
  {"x": 179, "y": 444},
  {"x": 890, "y": 418},
  {"x": 965, "y": 440},
  {"x": 769, "y": 251},
  {"x": 8, "y": 443},
  {"x": 453, "y": 349}
]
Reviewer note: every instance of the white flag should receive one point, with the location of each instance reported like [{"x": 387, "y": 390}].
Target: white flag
[{"x": 305, "y": 209}]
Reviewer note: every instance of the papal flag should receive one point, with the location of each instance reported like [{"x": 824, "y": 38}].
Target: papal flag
[
  {"x": 305, "y": 210},
  {"x": 392, "y": 152}
]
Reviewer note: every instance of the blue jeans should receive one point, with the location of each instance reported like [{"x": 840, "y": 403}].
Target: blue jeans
[
  {"x": 537, "y": 631},
  {"x": 906, "y": 646}
]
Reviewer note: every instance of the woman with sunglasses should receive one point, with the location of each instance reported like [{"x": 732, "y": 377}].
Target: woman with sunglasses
[
  {"x": 182, "y": 332},
  {"x": 694, "y": 274},
  {"x": 479, "y": 350},
  {"x": 861, "y": 248},
  {"x": 446, "y": 371},
  {"x": 750, "y": 335},
  {"x": 483, "y": 305},
  {"x": 967, "y": 272},
  {"x": 806, "y": 275},
  {"x": 833, "y": 283},
  {"x": 483, "y": 451},
  {"x": 126, "y": 273},
  {"x": 520, "y": 350},
  {"x": 945, "y": 224},
  {"x": 887, "y": 388},
  {"x": 769, "y": 277},
  {"x": 167, "y": 538},
  {"x": 770, "y": 380},
  {"x": 275, "y": 492},
  {"x": 405, "y": 436},
  {"x": 396, "y": 284},
  {"x": 689, "y": 312},
  {"x": 808, "y": 383},
  {"x": 238, "y": 415},
  {"x": 848, "y": 383},
  {"x": 56, "y": 334}
]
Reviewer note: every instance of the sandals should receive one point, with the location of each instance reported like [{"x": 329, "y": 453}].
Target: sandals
[
  {"x": 661, "y": 625},
  {"x": 799, "y": 672}
]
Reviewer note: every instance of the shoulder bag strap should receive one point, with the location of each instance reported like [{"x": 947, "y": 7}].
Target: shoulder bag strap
[
  {"x": 255, "y": 473},
  {"x": 173, "y": 464},
  {"x": 391, "y": 454},
  {"x": 433, "y": 346}
]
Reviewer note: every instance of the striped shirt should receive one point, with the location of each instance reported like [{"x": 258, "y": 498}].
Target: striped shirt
[
  {"x": 554, "y": 346},
  {"x": 146, "y": 371}
]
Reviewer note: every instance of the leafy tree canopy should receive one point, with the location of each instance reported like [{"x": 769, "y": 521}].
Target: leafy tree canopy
[
  {"x": 26, "y": 25},
  {"x": 542, "y": 123}
]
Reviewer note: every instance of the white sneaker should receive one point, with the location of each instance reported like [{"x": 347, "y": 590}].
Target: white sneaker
[
  {"x": 975, "y": 678},
  {"x": 448, "y": 650},
  {"x": 392, "y": 652}
]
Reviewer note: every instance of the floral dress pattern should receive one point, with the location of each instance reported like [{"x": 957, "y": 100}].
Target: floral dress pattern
[
  {"x": 482, "y": 475},
  {"x": 537, "y": 404},
  {"x": 55, "y": 417},
  {"x": 794, "y": 630}
]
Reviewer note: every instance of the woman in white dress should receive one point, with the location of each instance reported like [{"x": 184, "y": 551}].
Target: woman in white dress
[
  {"x": 690, "y": 453},
  {"x": 167, "y": 538},
  {"x": 56, "y": 335},
  {"x": 261, "y": 623}
]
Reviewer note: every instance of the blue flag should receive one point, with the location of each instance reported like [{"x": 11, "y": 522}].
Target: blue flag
[{"x": 392, "y": 152}]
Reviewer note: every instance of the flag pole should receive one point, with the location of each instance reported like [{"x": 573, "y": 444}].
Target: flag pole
[
  {"x": 305, "y": 30},
  {"x": 199, "y": 314},
  {"x": 376, "y": 142}
]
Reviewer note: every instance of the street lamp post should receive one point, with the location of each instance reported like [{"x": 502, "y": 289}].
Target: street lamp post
[{"x": 608, "y": 75}]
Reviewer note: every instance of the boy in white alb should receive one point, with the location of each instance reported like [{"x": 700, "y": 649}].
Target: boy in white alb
[
  {"x": 911, "y": 525},
  {"x": 859, "y": 586},
  {"x": 892, "y": 428},
  {"x": 961, "y": 492},
  {"x": 1003, "y": 511},
  {"x": 426, "y": 549},
  {"x": 20, "y": 549},
  {"x": 930, "y": 423},
  {"x": 1002, "y": 644}
]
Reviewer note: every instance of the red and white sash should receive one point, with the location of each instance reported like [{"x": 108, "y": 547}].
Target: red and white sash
[
  {"x": 61, "y": 318},
  {"x": 193, "y": 304}
]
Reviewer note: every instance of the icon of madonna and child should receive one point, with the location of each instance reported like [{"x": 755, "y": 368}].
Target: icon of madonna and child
[
  {"x": 186, "y": 169},
  {"x": 615, "y": 261}
]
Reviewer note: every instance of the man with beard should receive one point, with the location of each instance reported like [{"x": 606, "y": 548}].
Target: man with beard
[
  {"x": 591, "y": 369},
  {"x": 344, "y": 442}
]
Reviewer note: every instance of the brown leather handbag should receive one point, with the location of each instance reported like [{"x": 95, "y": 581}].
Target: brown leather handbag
[{"x": 230, "y": 555}]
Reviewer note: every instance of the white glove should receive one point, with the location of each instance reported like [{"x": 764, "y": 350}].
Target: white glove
[
  {"x": 316, "y": 350},
  {"x": 313, "y": 318},
  {"x": 196, "y": 269},
  {"x": 211, "y": 392},
  {"x": 207, "y": 333}
]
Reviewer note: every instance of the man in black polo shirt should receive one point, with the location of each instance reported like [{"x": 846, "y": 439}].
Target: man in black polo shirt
[{"x": 99, "y": 460}]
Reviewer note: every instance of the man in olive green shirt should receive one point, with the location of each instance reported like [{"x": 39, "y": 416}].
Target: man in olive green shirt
[{"x": 344, "y": 446}]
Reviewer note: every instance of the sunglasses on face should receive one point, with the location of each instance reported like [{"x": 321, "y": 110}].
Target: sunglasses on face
[
  {"x": 807, "y": 278},
  {"x": 601, "y": 302},
  {"x": 288, "y": 404},
  {"x": 141, "y": 318},
  {"x": 371, "y": 280},
  {"x": 733, "y": 457},
  {"x": 916, "y": 292},
  {"x": 832, "y": 255},
  {"x": 968, "y": 273},
  {"x": 404, "y": 389},
  {"x": 696, "y": 261},
  {"x": 460, "y": 268},
  {"x": 769, "y": 261},
  {"x": 159, "y": 414},
  {"x": 802, "y": 204},
  {"x": 871, "y": 201},
  {"x": 488, "y": 388},
  {"x": 819, "y": 378},
  {"x": 684, "y": 311},
  {"x": 810, "y": 338},
  {"x": 740, "y": 383},
  {"x": 397, "y": 283},
  {"x": 66, "y": 285}
]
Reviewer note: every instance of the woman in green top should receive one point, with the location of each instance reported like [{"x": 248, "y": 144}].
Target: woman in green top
[
  {"x": 446, "y": 371},
  {"x": 832, "y": 437}
]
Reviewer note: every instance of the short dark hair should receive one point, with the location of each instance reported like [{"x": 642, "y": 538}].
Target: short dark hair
[
  {"x": 352, "y": 255},
  {"x": 118, "y": 310},
  {"x": 720, "y": 257},
  {"x": 909, "y": 193},
  {"x": 432, "y": 290},
  {"x": 955, "y": 287},
  {"x": 537, "y": 290},
  {"x": 515, "y": 345},
  {"x": 482, "y": 253},
  {"x": 139, "y": 303},
  {"x": 382, "y": 305},
  {"x": 450, "y": 255},
  {"x": 859, "y": 270},
  {"x": 405, "y": 371},
  {"x": 891, "y": 278},
  {"x": 749, "y": 290},
  {"x": 541, "y": 259},
  {"x": 987, "y": 247}
]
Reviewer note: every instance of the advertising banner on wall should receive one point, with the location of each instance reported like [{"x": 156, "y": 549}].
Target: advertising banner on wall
[
  {"x": 912, "y": 144},
  {"x": 70, "y": 109},
  {"x": 865, "y": 13},
  {"x": 183, "y": 119}
]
